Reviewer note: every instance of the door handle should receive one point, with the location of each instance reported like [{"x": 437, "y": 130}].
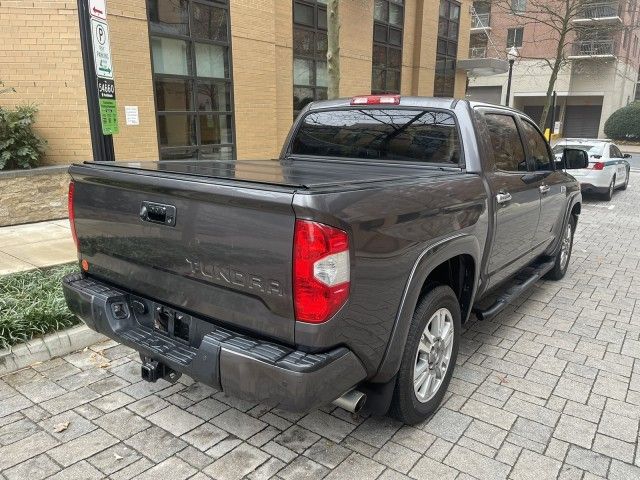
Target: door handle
[
  {"x": 544, "y": 189},
  {"x": 503, "y": 197}
]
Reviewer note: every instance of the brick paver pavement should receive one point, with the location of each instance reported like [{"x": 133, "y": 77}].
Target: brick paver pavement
[{"x": 550, "y": 389}]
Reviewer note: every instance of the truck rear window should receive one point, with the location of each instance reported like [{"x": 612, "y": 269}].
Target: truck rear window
[{"x": 381, "y": 134}]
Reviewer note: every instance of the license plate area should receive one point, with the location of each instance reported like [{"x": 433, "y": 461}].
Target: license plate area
[{"x": 165, "y": 320}]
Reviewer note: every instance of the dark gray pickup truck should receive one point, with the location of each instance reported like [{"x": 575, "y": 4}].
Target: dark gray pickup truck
[{"x": 341, "y": 272}]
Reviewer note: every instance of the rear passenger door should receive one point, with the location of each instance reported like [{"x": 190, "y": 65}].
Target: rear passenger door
[
  {"x": 514, "y": 195},
  {"x": 550, "y": 183},
  {"x": 616, "y": 157}
]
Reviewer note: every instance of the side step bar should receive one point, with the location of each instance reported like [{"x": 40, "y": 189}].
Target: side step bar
[{"x": 527, "y": 279}]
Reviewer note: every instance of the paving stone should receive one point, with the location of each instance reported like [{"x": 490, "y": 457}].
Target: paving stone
[
  {"x": 14, "y": 404},
  {"x": 263, "y": 436},
  {"x": 238, "y": 423},
  {"x": 70, "y": 423},
  {"x": 205, "y": 436},
  {"x": 208, "y": 408},
  {"x": 26, "y": 448},
  {"x": 33, "y": 469},
  {"x": 532, "y": 412},
  {"x": 376, "y": 431},
  {"x": 326, "y": 425},
  {"x": 155, "y": 443},
  {"x": 196, "y": 458},
  {"x": 175, "y": 420},
  {"x": 303, "y": 468},
  {"x": 173, "y": 468},
  {"x": 112, "y": 401},
  {"x": 448, "y": 424},
  {"x": 623, "y": 471},
  {"x": 614, "y": 448},
  {"x": 428, "y": 469},
  {"x": 619, "y": 427},
  {"x": 532, "y": 466},
  {"x": 82, "y": 447},
  {"x": 17, "y": 430},
  {"x": 279, "y": 451},
  {"x": 572, "y": 390},
  {"x": 265, "y": 471},
  {"x": 81, "y": 470},
  {"x": 413, "y": 438},
  {"x": 114, "y": 459},
  {"x": 473, "y": 463},
  {"x": 588, "y": 460},
  {"x": 122, "y": 423},
  {"x": 327, "y": 453},
  {"x": 69, "y": 401},
  {"x": 132, "y": 470},
  {"x": 356, "y": 466},
  {"x": 237, "y": 463},
  {"x": 508, "y": 453},
  {"x": 148, "y": 405},
  {"x": 532, "y": 430},
  {"x": 486, "y": 413},
  {"x": 397, "y": 457}
]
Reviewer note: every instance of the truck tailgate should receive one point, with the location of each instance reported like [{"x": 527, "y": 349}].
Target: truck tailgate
[{"x": 226, "y": 254}]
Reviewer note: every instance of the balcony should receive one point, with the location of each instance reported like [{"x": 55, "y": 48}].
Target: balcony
[
  {"x": 480, "y": 22},
  {"x": 593, "y": 49},
  {"x": 478, "y": 52},
  {"x": 598, "y": 13}
]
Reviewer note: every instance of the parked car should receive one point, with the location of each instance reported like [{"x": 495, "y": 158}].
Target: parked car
[
  {"x": 341, "y": 272},
  {"x": 608, "y": 168}
]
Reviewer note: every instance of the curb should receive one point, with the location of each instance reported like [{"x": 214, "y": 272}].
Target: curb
[{"x": 45, "y": 348}]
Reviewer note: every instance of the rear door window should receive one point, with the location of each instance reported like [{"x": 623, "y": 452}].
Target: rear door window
[
  {"x": 614, "y": 152},
  {"x": 536, "y": 146},
  {"x": 508, "y": 152},
  {"x": 411, "y": 135}
]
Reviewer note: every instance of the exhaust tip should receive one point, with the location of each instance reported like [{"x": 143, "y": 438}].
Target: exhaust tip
[{"x": 352, "y": 401}]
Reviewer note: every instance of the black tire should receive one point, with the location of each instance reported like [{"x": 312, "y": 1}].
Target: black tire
[
  {"x": 608, "y": 195},
  {"x": 559, "y": 267},
  {"x": 626, "y": 182},
  {"x": 405, "y": 405}
]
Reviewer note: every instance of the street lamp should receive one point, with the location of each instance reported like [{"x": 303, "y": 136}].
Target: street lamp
[{"x": 512, "y": 54}]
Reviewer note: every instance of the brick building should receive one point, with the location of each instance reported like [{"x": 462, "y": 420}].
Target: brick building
[
  {"x": 222, "y": 78},
  {"x": 601, "y": 72}
]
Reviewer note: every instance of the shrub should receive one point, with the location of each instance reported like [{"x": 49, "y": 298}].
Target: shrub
[
  {"x": 20, "y": 147},
  {"x": 624, "y": 123}
]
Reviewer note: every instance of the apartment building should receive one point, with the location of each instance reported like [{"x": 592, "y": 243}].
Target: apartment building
[
  {"x": 599, "y": 76},
  {"x": 218, "y": 79}
]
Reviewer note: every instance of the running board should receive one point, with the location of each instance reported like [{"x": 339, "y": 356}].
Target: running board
[{"x": 528, "y": 277}]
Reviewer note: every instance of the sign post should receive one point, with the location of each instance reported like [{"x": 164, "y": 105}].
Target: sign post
[{"x": 98, "y": 74}]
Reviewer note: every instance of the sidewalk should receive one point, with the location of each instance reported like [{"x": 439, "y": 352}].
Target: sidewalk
[{"x": 23, "y": 247}]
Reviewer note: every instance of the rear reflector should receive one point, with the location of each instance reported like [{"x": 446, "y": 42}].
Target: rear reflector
[
  {"x": 376, "y": 100},
  {"x": 72, "y": 214},
  {"x": 598, "y": 166},
  {"x": 321, "y": 271}
]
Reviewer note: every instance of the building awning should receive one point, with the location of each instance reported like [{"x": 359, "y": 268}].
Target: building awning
[{"x": 483, "y": 67}]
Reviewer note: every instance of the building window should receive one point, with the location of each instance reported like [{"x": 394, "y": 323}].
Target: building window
[
  {"x": 388, "y": 20},
  {"x": 518, "y": 6},
  {"x": 309, "y": 52},
  {"x": 190, "y": 52},
  {"x": 514, "y": 37},
  {"x": 447, "y": 48}
]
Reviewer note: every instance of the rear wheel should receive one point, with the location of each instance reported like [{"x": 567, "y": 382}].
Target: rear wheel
[
  {"x": 612, "y": 186},
  {"x": 626, "y": 182},
  {"x": 429, "y": 356},
  {"x": 564, "y": 254}
]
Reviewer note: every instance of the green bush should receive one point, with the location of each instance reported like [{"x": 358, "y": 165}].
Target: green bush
[
  {"x": 20, "y": 147},
  {"x": 624, "y": 124},
  {"x": 32, "y": 304}
]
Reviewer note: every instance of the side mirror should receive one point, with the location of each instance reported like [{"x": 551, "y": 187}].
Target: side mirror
[
  {"x": 627, "y": 155},
  {"x": 574, "y": 158}
]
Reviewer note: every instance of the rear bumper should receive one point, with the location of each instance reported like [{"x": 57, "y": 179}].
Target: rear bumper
[
  {"x": 590, "y": 188},
  {"x": 236, "y": 363}
]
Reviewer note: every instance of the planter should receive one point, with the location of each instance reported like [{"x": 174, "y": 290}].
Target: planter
[{"x": 33, "y": 195}]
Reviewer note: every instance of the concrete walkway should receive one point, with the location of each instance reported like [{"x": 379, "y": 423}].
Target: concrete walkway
[{"x": 23, "y": 247}]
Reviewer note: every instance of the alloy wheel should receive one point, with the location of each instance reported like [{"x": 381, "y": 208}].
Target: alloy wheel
[{"x": 565, "y": 249}]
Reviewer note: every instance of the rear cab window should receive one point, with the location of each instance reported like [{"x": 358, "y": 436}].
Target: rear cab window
[{"x": 390, "y": 134}]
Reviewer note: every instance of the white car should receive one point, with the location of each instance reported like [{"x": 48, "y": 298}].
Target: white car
[{"x": 608, "y": 168}]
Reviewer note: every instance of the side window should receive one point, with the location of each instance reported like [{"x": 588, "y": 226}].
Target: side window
[
  {"x": 614, "y": 152},
  {"x": 537, "y": 146},
  {"x": 507, "y": 147}
]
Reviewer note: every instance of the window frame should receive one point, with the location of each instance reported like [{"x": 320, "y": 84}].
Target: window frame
[
  {"x": 530, "y": 161},
  {"x": 445, "y": 57},
  {"x": 317, "y": 5},
  {"x": 516, "y": 120},
  {"x": 298, "y": 124},
  {"x": 387, "y": 45},
  {"x": 515, "y": 31},
  {"x": 518, "y": 3},
  {"x": 199, "y": 149}
]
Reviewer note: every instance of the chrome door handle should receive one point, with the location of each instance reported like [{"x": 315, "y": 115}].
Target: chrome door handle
[
  {"x": 503, "y": 197},
  {"x": 544, "y": 189}
]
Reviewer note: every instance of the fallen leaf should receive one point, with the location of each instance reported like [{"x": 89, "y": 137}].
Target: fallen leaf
[
  {"x": 61, "y": 427},
  {"x": 105, "y": 365},
  {"x": 117, "y": 457},
  {"x": 85, "y": 349}
]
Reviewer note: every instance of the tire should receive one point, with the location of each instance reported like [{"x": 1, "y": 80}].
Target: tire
[
  {"x": 626, "y": 182},
  {"x": 561, "y": 264},
  {"x": 439, "y": 303},
  {"x": 612, "y": 186}
]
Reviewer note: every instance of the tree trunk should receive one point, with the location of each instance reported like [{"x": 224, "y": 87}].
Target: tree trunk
[
  {"x": 554, "y": 76},
  {"x": 333, "y": 49}
]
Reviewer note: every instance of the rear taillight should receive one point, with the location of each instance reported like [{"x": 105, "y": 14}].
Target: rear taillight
[
  {"x": 72, "y": 214},
  {"x": 376, "y": 100},
  {"x": 598, "y": 166},
  {"x": 321, "y": 271}
]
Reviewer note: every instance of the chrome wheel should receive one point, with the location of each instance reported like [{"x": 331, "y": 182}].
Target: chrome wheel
[
  {"x": 565, "y": 248},
  {"x": 434, "y": 355}
]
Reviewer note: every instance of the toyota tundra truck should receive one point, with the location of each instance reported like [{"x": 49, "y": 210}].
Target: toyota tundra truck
[{"x": 344, "y": 270}]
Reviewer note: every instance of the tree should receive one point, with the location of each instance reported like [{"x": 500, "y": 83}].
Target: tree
[
  {"x": 333, "y": 48},
  {"x": 558, "y": 17},
  {"x": 624, "y": 123}
]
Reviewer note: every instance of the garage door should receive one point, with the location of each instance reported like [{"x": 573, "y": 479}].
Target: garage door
[
  {"x": 485, "y": 94},
  {"x": 535, "y": 112},
  {"x": 582, "y": 121}
]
